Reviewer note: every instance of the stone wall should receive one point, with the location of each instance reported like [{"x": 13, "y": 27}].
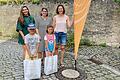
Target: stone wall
[
  {"x": 103, "y": 23},
  {"x": 9, "y": 14}
]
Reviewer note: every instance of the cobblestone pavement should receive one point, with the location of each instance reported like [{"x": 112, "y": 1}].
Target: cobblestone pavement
[{"x": 11, "y": 62}]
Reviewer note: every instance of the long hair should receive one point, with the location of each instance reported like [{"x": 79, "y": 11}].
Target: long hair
[
  {"x": 20, "y": 19},
  {"x": 62, "y": 7},
  {"x": 43, "y": 9}
]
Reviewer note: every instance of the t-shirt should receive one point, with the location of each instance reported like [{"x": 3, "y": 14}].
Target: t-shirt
[
  {"x": 50, "y": 39},
  {"x": 32, "y": 41},
  {"x": 61, "y": 22}
]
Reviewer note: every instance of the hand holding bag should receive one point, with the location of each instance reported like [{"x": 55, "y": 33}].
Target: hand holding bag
[
  {"x": 32, "y": 69},
  {"x": 51, "y": 64}
]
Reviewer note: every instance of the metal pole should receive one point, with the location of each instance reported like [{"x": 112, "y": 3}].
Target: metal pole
[{"x": 75, "y": 65}]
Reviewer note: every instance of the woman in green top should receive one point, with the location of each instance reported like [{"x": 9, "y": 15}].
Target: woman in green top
[{"x": 23, "y": 21}]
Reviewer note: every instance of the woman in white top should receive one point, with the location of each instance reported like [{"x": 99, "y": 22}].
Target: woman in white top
[{"x": 60, "y": 23}]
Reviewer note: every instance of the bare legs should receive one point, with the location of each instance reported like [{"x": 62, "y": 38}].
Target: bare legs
[
  {"x": 24, "y": 51},
  {"x": 62, "y": 53},
  {"x": 56, "y": 49},
  {"x": 62, "y": 47}
]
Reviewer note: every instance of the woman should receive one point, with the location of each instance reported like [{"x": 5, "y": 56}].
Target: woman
[
  {"x": 60, "y": 23},
  {"x": 23, "y": 21},
  {"x": 42, "y": 21}
]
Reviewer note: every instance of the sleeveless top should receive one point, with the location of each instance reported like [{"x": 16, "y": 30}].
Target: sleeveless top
[{"x": 61, "y": 23}]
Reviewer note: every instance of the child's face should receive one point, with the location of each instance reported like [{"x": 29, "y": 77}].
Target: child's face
[
  {"x": 50, "y": 30},
  {"x": 32, "y": 31}
]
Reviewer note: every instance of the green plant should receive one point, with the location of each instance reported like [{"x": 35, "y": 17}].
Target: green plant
[
  {"x": 35, "y": 1},
  {"x": 14, "y": 33},
  {"x": 3, "y": 2},
  {"x": 87, "y": 42},
  {"x": 61, "y": 1},
  {"x": 70, "y": 40},
  {"x": 103, "y": 44},
  {"x": 9, "y": 34},
  {"x": 83, "y": 41},
  {"x": 20, "y": 1},
  {"x": 117, "y": 1},
  {"x": 2, "y": 29},
  {"x": 14, "y": 2}
]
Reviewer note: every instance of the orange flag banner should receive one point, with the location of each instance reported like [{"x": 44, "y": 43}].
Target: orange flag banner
[{"x": 81, "y": 8}]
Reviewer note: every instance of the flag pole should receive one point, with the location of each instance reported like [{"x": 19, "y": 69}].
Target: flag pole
[
  {"x": 75, "y": 65},
  {"x": 81, "y": 8},
  {"x": 75, "y": 57}
]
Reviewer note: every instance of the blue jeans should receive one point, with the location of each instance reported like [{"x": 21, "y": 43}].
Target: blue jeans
[{"x": 61, "y": 38}]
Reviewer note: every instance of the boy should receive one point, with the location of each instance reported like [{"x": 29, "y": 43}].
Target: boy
[{"x": 32, "y": 41}]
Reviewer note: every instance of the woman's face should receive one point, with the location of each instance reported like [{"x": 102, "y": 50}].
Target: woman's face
[
  {"x": 44, "y": 12},
  {"x": 25, "y": 11},
  {"x": 60, "y": 10}
]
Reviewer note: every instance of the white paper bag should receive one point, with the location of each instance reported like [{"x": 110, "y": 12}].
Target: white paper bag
[
  {"x": 32, "y": 69},
  {"x": 50, "y": 65}
]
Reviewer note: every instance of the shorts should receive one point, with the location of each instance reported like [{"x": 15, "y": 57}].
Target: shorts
[{"x": 61, "y": 38}]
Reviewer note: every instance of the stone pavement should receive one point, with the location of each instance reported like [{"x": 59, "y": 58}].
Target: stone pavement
[{"x": 11, "y": 62}]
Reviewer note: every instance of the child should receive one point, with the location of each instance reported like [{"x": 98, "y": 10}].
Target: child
[
  {"x": 32, "y": 41},
  {"x": 50, "y": 41}
]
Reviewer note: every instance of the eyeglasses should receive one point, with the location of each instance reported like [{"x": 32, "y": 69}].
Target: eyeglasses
[{"x": 31, "y": 29}]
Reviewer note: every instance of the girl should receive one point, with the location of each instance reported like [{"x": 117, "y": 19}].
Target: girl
[{"x": 50, "y": 41}]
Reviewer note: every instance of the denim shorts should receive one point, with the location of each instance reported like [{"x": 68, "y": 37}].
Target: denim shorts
[{"x": 61, "y": 38}]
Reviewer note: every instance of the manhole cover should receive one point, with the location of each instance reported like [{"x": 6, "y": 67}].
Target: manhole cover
[{"x": 70, "y": 73}]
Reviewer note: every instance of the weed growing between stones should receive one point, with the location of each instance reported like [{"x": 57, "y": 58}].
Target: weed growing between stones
[{"x": 103, "y": 44}]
